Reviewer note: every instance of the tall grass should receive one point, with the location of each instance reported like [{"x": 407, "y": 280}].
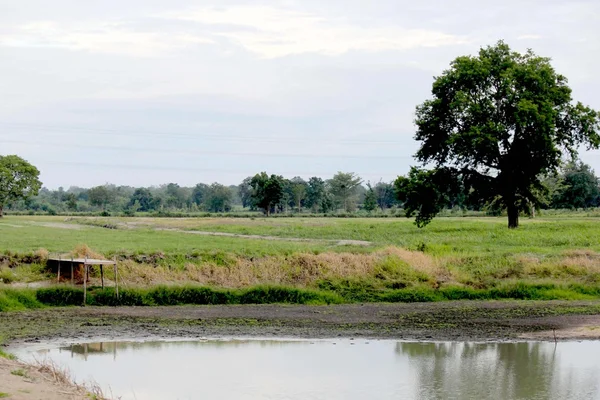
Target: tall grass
[
  {"x": 18, "y": 299},
  {"x": 21, "y": 299}
]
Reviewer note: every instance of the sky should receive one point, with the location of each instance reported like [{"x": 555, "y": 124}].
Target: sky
[{"x": 146, "y": 92}]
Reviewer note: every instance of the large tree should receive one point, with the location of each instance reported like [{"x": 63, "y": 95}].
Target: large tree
[
  {"x": 267, "y": 191},
  {"x": 245, "y": 190},
  {"x": 299, "y": 187},
  {"x": 344, "y": 187},
  {"x": 386, "y": 197},
  {"x": 19, "y": 180},
  {"x": 578, "y": 187},
  {"x": 143, "y": 200},
  {"x": 499, "y": 121},
  {"x": 218, "y": 198},
  {"x": 315, "y": 193},
  {"x": 101, "y": 196}
]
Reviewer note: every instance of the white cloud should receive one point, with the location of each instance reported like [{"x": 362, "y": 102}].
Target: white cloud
[
  {"x": 98, "y": 37},
  {"x": 272, "y": 32},
  {"x": 529, "y": 37},
  {"x": 266, "y": 31}
]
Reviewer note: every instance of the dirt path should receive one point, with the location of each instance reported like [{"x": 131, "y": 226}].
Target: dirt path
[
  {"x": 338, "y": 242},
  {"x": 22, "y": 382},
  {"x": 454, "y": 321}
]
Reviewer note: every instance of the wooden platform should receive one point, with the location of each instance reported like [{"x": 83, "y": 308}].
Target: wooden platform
[
  {"x": 84, "y": 261},
  {"x": 80, "y": 268}
]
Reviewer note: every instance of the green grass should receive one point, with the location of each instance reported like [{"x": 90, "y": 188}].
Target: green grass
[
  {"x": 553, "y": 257},
  {"x": 334, "y": 294},
  {"x": 32, "y": 236},
  {"x": 445, "y": 236},
  {"x": 19, "y": 372},
  {"x": 18, "y": 299},
  {"x": 4, "y": 395}
]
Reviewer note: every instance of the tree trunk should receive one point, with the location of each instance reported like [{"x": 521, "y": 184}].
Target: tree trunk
[
  {"x": 513, "y": 216},
  {"x": 1, "y": 209}
]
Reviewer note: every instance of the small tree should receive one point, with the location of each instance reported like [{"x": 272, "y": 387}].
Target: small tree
[
  {"x": 299, "y": 187},
  {"x": 18, "y": 180},
  {"x": 501, "y": 121},
  {"x": 370, "y": 203},
  {"x": 71, "y": 201}
]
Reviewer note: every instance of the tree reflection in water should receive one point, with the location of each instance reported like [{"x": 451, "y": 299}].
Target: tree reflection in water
[{"x": 494, "y": 371}]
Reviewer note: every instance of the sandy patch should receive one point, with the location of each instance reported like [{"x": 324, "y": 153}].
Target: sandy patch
[
  {"x": 24, "y": 382},
  {"x": 340, "y": 242},
  {"x": 59, "y": 225}
]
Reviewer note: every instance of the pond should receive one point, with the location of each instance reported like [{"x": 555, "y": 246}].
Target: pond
[{"x": 333, "y": 369}]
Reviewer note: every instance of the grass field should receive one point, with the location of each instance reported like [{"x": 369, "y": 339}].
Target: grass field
[{"x": 356, "y": 259}]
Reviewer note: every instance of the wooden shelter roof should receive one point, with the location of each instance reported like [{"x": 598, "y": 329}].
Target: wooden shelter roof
[{"x": 86, "y": 261}]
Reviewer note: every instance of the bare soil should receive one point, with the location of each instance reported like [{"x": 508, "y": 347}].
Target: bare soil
[
  {"x": 340, "y": 242},
  {"x": 454, "y": 321},
  {"x": 24, "y": 382},
  {"x": 448, "y": 321}
]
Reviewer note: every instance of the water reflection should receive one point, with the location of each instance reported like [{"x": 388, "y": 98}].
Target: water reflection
[
  {"x": 503, "y": 370},
  {"x": 252, "y": 369}
]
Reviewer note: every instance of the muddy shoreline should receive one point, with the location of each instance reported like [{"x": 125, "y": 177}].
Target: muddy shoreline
[{"x": 449, "y": 321}]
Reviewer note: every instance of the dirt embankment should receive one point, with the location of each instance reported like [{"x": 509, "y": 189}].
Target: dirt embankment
[
  {"x": 26, "y": 382},
  {"x": 455, "y": 321}
]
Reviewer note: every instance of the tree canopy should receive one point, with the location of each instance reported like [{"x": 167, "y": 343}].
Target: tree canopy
[
  {"x": 344, "y": 187},
  {"x": 577, "y": 188},
  {"x": 267, "y": 191},
  {"x": 19, "y": 180},
  {"x": 498, "y": 122}
]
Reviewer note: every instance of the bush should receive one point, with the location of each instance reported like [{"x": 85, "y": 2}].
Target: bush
[{"x": 60, "y": 296}]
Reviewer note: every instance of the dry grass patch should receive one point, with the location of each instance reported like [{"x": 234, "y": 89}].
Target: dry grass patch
[
  {"x": 423, "y": 263},
  {"x": 300, "y": 270},
  {"x": 83, "y": 250}
]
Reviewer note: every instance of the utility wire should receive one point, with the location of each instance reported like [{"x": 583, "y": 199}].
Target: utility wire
[
  {"x": 197, "y": 152},
  {"x": 192, "y": 169},
  {"x": 4, "y": 126}
]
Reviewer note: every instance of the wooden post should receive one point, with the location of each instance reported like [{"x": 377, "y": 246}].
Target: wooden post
[
  {"x": 116, "y": 277},
  {"x": 102, "y": 275},
  {"x": 85, "y": 275},
  {"x": 58, "y": 275},
  {"x": 72, "y": 270}
]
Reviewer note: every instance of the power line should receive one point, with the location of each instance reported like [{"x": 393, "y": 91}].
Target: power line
[
  {"x": 196, "y": 135},
  {"x": 192, "y": 169},
  {"x": 199, "y": 152}
]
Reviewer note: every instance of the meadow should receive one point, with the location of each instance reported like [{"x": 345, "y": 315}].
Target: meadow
[{"x": 322, "y": 260}]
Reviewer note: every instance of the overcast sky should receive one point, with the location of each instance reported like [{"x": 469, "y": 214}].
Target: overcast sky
[{"x": 144, "y": 92}]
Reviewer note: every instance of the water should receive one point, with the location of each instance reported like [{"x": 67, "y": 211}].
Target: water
[{"x": 311, "y": 370}]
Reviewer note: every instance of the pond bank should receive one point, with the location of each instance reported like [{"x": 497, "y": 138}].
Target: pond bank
[
  {"x": 20, "y": 381},
  {"x": 447, "y": 321}
]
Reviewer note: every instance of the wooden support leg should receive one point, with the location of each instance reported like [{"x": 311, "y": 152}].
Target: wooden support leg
[
  {"x": 116, "y": 281},
  {"x": 58, "y": 275},
  {"x": 84, "y": 283},
  {"x": 102, "y": 275}
]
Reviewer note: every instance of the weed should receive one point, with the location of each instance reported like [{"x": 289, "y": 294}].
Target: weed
[{"x": 19, "y": 372}]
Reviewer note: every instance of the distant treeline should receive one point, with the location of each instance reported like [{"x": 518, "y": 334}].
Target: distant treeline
[{"x": 576, "y": 187}]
